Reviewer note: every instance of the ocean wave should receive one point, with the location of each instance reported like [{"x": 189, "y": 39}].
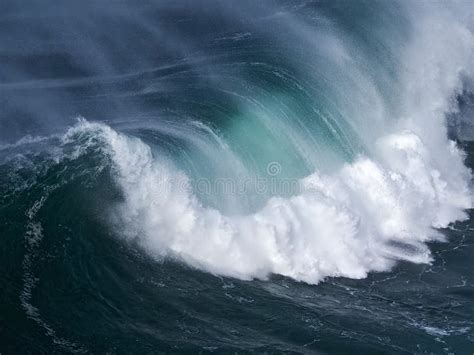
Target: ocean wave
[{"x": 380, "y": 206}]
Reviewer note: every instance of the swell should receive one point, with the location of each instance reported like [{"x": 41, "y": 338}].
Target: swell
[
  {"x": 383, "y": 204},
  {"x": 363, "y": 143}
]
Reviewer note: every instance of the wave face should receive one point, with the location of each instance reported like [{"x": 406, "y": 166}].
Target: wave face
[
  {"x": 309, "y": 140},
  {"x": 354, "y": 128},
  {"x": 371, "y": 181}
]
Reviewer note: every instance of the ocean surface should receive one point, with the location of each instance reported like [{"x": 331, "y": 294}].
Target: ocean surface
[{"x": 218, "y": 176}]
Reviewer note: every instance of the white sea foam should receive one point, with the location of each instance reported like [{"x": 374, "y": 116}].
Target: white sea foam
[
  {"x": 348, "y": 224},
  {"x": 380, "y": 208}
]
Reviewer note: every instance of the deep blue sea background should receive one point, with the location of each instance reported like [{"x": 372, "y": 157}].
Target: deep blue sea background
[{"x": 69, "y": 283}]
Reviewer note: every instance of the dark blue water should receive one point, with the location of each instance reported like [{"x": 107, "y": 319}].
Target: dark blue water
[{"x": 221, "y": 89}]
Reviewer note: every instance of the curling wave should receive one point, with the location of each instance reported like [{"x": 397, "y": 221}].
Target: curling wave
[
  {"x": 382, "y": 205},
  {"x": 396, "y": 176}
]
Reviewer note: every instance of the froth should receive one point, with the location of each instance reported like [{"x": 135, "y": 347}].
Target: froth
[{"x": 359, "y": 220}]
